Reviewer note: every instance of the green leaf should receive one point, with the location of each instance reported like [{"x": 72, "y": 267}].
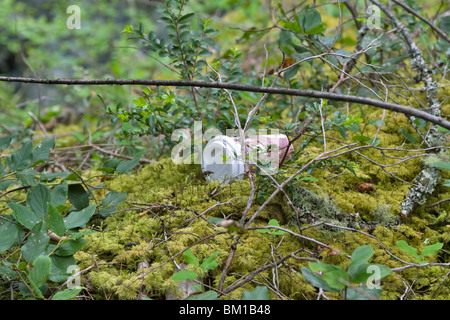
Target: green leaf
[
  {"x": 8, "y": 234},
  {"x": 361, "y": 273},
  {"x": 361, "y": 255},
  {"x": 377, "y": 122},
  {"x": 292, "y": 71},
  {"x": 59, "y": 194},
  {"x": 24, "y": 216},
  {"x": 55, "y": 221},
  {"x": 259, "y": 293},
  {"x": 408, "y": 136},
  {"x": 308, "y": 179},
  {"x": 70, "y": 246},
  {"x": 310, "y": 21},
  {"x": 358, "y": 273},
  {"x": 5, "y": 142},
  {"x": 210, "y": 263},
  {"x": 215, "y": 220},
  {"x": 342, "y": 131},
  {"x": 67, "y": 294},
  {"x": 316, "y": 280},
  {"x": 37, "y": 200},
  {"x": 441, "y": 165},
  {"x": 6, "y": 183},
  {"x": 127, "y": 165},
  {"x": 354, "y": 127},
  {"x": 38, "y": 275},
  {"x": 184, "y": 274},
  {"x": 446, "y": 183},
  {"x": 208, "y": 295},
  {"x": 60, "y": 267},
  {"x": 274, "y": 223},
  {"x": 36, "y": 243},
  {"x": 79, "y": 218},
  {"x": 375, "y": 142},
  {"x": 42, "y": 151},
  {"x": 335, "y": 278},
  {"x": 6, "y": 269},
  {"x": 111, "y": 165},
  {"x": 128, "y": 29},
  {"x": 444, "y": 24},
  {"x": 384, "y": 271},
  {"x": 190, "y": 258},
  {"x": 362, "y": 138},
  {"x": 331, "y": 274},
  {"x": 35, "y": 289},
  {"x": 363, "y": 293},
  {"x": 197, "y": 287},
  {"x": 294, "y": 26},
  {"x": 432, "y": 249},
  {"x": 186, "y": 17},
  {"x": 27, "y": 177},
  {"x": 408, "y": 249},
  {"x": 420, "y": 123},
  {"x": 320, "y": 28},
  {"x": 19, "y": 160},
  {"x": 73, "y": 177},
  {"x": 78, "y": 196},
  {"x": 352, "y": 171},
  {"x": 111, "y": 201}
]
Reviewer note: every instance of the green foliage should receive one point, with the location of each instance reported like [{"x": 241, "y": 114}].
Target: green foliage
[
  {"x": 408, "y": 136},
  {"x": 206, "y": 265},
  {"x": 187, "y": 45},
  {"x": 111, "y": 202},
  {"x": 429, "y": 250},
  {"x": 441, "y": 165},
  {"x": 273, "y": 232},
  {"x": 127, "y": 165},
  {"x": 67, "y": 294},
  {"x": 40, "y": 225},
  {"x": 259, "y": 293},
  {"x": 353, "y": 282},
  {"x": 344, "y": 122},
  {"x": 78, "y": 196}
]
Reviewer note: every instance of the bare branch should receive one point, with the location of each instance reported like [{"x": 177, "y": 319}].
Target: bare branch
[{"x": 241, "y": 87}]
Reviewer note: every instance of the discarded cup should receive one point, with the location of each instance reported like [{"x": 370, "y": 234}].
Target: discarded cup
[{"x": 222, "y": 156}]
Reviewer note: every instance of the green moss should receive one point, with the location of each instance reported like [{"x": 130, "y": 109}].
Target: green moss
[{"x": 173, "y": 197}]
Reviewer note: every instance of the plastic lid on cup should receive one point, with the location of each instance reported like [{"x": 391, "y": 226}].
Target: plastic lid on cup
[{"x": 221, "y": 160}]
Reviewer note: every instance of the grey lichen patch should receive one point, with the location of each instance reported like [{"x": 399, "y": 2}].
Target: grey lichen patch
[
  {"x": 424, "y": 185},
  {"x": 313, "y": 208},
  {"x": 382, "y": 215},
  {"x": 435, "y": 138}
]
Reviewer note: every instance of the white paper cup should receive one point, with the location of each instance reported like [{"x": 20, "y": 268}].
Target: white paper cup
[{"x": 222, "y": 156}]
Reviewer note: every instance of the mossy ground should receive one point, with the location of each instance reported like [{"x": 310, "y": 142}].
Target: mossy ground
[{"x": 165, "y": 214}]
